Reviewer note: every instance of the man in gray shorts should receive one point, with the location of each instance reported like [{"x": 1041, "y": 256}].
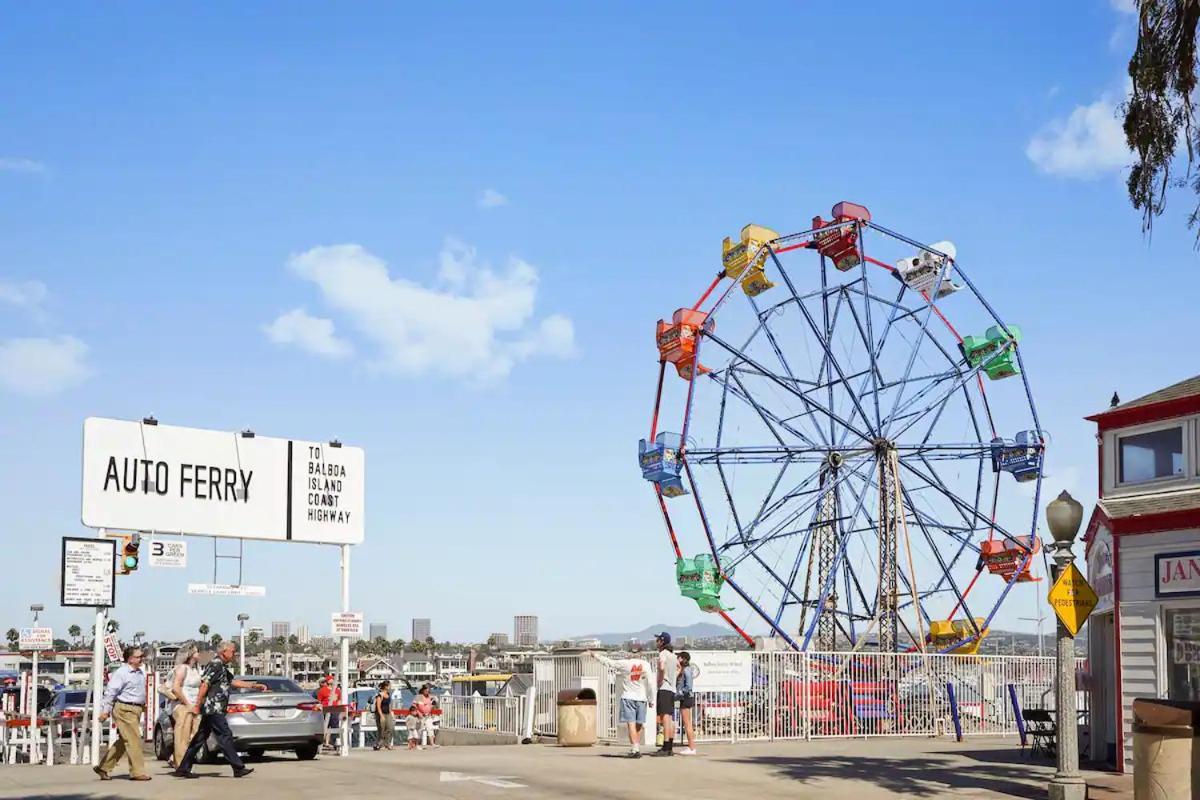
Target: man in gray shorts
[{"x": 635, "y": 694}]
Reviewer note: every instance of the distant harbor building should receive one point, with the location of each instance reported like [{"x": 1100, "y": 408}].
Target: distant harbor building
[
  {"x": 262, "y": 634},
  {"x": 525, "y": 631},
  {"x": 302, "y": 634},
  {"x": 498, "y": 640},
  {"x": 422, "y": 629},
  {"x": 588, "y": 644},
  {"x": 378, "y": 630},
  {"x": 283, "y": 629}
]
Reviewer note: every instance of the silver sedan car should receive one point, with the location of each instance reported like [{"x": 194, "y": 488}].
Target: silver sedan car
[{"x": 284, "y": 717}]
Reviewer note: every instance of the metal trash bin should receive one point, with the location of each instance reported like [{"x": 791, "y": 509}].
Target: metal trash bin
[
  {"x": 577, "y": 717},
  {"x": 1166, "y": 764}
]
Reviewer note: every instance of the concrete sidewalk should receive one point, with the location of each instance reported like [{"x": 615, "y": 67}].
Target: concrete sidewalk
[{"x": 832, "y": 769}]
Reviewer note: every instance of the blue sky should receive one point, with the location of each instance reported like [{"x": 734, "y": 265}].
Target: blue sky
[{"x": 536, "y": 186}]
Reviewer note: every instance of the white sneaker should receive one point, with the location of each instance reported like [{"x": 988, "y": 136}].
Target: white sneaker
[{"x": 685, "y": 751}]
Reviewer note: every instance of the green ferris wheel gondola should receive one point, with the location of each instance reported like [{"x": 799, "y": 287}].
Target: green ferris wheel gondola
[{"x": 701, "y": 579}]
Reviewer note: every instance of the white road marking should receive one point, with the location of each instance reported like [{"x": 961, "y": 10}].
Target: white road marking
[{"x": 499, "y": 781}]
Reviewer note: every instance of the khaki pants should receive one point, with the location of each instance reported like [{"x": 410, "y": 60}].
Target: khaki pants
[
  {"x": 186, "y": 721},
  {"x": 129, "y": 740}
]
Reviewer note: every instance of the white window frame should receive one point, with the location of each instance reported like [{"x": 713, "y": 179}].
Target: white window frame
[{"x": 1112, "y": 446}]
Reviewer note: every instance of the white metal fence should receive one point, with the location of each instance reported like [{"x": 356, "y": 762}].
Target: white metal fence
[
  {"x": 504, "y": 715},
  {"x": 812, "y": 695}
]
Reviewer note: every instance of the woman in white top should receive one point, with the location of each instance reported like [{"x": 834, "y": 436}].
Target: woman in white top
[{"x": 186, "y": 687}]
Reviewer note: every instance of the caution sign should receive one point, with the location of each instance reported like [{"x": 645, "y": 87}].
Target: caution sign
[{"x": 1072, "y": 599}]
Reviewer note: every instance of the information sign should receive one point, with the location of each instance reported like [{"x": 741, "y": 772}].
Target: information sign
[{"x": 88, "y": 569}]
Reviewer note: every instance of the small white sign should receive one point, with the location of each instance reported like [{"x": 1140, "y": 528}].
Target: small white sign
[
  {"x": 88, "y": 569},
  {"x": 347, "y": 623},
  {"x": 36, "y": 639},
  {"x": 112, "y": 647},
  {"x": 168, "y": 553},
  {"x": 722, "y": 671},
  {"x": 227, "y": 590}
]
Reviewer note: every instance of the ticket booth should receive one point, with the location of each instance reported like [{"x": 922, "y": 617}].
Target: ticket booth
[{"x": 1143, "y": 560}]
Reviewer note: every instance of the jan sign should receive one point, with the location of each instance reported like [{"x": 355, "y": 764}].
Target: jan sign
[{"x": 169, "y": 479}]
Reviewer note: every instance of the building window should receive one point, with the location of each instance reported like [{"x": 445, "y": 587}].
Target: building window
[
  {"x": 1183, "y": 654},
  {"x": 1150, "y": 456}
]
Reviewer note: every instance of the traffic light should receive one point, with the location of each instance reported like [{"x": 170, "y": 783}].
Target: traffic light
[{"x": 129, "y": 553}]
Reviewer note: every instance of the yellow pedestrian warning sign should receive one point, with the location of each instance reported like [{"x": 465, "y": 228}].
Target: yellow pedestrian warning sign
[{"x": 1072, "y": 598}]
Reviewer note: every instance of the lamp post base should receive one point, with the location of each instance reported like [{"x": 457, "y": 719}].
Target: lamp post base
[{"x": 1064, "y": 787}]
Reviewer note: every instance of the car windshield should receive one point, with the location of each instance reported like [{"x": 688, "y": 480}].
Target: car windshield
[
  {"x": 278, "y": 685},
  {"x": 76, "y": 698}
]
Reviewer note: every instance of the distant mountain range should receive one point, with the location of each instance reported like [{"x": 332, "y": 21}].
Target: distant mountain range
[{"x": 700, "y": 630}]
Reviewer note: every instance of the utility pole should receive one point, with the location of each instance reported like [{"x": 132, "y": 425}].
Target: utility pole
[{"x": 1064, "y": 516}]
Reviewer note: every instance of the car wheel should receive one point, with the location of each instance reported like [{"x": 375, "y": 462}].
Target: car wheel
[
  {"x": 162, "y": 749},
  {"x": 307, "y": 753},
  {"x": 255, "y": 753}
]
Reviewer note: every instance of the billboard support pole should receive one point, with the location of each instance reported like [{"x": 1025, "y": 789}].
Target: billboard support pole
[
  {"x": 344, "y": 738},
  {"x": 97, "y": 681}
]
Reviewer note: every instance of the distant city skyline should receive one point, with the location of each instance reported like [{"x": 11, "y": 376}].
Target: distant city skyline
[
  {"x": 422, "y": 628},
  {"x": 525, "y": 630},
  {"x": 377, "y": 630},
  {"x": 281, "y": 629}
]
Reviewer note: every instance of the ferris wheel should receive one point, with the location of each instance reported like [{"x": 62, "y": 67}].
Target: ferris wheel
[{"x": 846, "y": 450}]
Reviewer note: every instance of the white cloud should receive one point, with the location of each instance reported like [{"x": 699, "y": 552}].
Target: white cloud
[
  {"x": 490, "y": 198},
  {"x": 311, "y": 334},
  {"x": 475, "y": 322},
  {"x": 1086, "y": 144},
  {"x": 25, "y": 165},
  {"x": 41, "y": 366},
  {"x": 27, "y": 294}
]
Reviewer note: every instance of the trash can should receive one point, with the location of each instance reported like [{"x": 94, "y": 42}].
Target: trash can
[
  {"x": 577, "y": 717},
  {"x": 1166, "y": 765}
]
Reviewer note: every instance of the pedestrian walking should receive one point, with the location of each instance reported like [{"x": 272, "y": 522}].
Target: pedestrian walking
[
  {"x": 124, "y": 700},
  {"x": 185, "y": 686},
  {"x": 425, "y": 704},
  {"x": 635, "y": 696},
  {"x": 384, "y": 722},
  {"x": 668, "y": 672},
  {"x": 687, "y": 701},
  {"x": 215, "y": 685}
]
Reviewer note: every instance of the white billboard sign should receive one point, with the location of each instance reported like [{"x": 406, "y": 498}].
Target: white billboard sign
[
  {"x": 168, "y": 553},
  {"x": 227, "y": 589},
  {"x": 347, "y": 623},
  {"x": 168, "y": 479},
  {"x": 88, "y": 571},
  {"x": 722, "y": 671},
  {"x": 36, "y": 639}
]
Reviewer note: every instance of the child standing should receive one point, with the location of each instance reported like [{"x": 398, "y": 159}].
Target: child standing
[{"x": 414, "y": 728}]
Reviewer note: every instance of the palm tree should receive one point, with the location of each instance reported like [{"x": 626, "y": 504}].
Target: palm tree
[
  {"x": 1160, "y": 110},
  {"x": 215, "y": 639},
  {"x": 204, "y": 629},
  {"x": 13, "y": 636},
  {"x": 75, "y": 632},
  {"x": 252, "y": 637},
  {"x": 398, "y": 646},
  {"x": 113, "y": 626}
]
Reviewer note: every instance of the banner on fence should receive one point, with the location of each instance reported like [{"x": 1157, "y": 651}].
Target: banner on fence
[{"x": 723, "y": 672}]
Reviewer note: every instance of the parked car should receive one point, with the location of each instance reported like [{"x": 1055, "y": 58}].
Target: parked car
[
  {"x": 65, "y": 704},
  {"x": 284, "y": 717}
]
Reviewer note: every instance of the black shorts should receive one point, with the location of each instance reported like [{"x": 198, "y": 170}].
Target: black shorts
[
  {"x": 687, "y": 701},
  {"x": 665, "y": 704}
]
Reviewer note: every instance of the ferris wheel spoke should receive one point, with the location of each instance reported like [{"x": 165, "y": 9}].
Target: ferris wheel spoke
[
  {"x": 960, "y": 380},
  {"x": 786, "y": 386},
  {"x": 841, "y": 376},
  {"x": 961, "y": 504},
  {"x": 768, "y": 418},
  {"x": 765, "y": 512}
]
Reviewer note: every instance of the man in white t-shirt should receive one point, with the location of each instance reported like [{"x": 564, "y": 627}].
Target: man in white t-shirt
[
  {"x": 668, "y": 673},
  {"x": 635, "y": 694}
]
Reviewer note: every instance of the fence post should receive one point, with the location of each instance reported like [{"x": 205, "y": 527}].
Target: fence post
[
  {"x": 954, "y": 711},
  {"x": 530, "y": 711}
]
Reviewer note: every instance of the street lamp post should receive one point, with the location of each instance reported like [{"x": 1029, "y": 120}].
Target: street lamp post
[
  {"x": 1064, "y": 516},
  {"x": 242, "y": 644}
]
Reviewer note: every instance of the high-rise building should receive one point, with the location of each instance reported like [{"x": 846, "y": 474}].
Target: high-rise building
[
  {"x": 283, "y": 629},
  {"x": 378, "y": 630},
  {"x": 525, "y": 631},
  {"x": 422, "y": 629},
  {"x": 302, "y": 634},
  {"x": 498, "y": 640}
]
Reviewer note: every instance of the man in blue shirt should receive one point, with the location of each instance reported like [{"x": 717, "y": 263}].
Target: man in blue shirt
[{"x": 125, "y": 700}]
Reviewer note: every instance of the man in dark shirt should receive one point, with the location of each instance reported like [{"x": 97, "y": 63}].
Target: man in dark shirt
[{"x": 215, "y": 686}]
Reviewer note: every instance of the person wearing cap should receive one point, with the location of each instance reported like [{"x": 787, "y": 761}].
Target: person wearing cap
[{"x": 668, "y": 673}]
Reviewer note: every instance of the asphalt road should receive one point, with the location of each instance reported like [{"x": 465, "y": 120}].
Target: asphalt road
[{"x": 827, "y": 769}]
